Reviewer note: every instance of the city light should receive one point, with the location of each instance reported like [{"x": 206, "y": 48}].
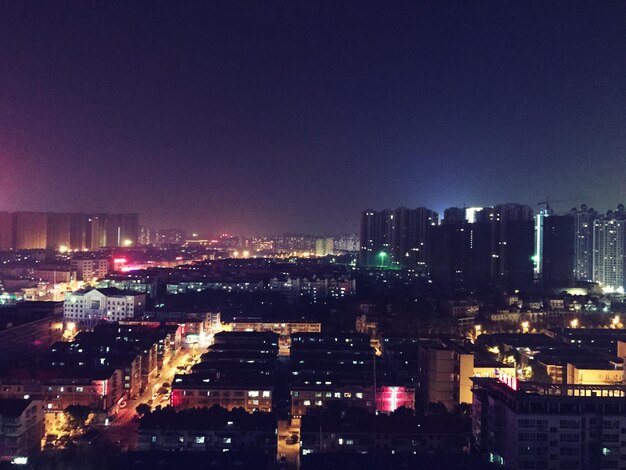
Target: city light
[
  {"x": 615, "y": 321},
  {"x": 128, "y": 242},
  {"x": 574, "y": 323},
  {"x": 525, "y": 327},
  {"x": 63, "y": 249}
]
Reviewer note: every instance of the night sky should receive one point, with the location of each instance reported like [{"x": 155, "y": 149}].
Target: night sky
[{"x": 265, "y": 117}]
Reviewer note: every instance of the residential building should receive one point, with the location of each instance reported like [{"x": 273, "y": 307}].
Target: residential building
[
  {"x": 445, "y": 372},
  {"x": 583, "y": 242},
  {"x": 202, "y": 430},
  {"x": 89, "y": 306},
  {"x": 354, "y": 430},
  {"x": 21, "y": 427},
  {"x": 29, "y": 328},
  {"x": 89, "y": 269},
  {"x": 526, "y": 425},
  {"x": 609, "y": 252}
]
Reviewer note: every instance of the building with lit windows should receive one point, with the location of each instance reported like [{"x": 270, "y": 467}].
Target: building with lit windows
[
  {"x": 21, "y": 427},
  {"x": 29, "y": 328},
  {"x": 525, "y": 425},
  {"x": 98, "y": 388},
  {"x": 583, "y": 242},
  {"x": 87, "y": 307},
  {"x": 201, "y": 430},
  {"x": 609, "y": 252},
  {"x": 396, "y": 238},
  {"x": 357, "y": 431},
  {"x": 66, "y": 231},
  {"x": 89, "y": 268},
  {"x": 445, "y": 371},
  {"x": 204, "y": 390}
]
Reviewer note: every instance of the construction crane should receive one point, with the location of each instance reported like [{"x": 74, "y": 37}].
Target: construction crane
[{"x": 547, "y": 202}]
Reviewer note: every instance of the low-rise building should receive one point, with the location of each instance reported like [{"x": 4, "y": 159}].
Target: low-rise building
[
  {"x": 90, "y": 269},
  {"x": 88, "y": 307},
  {"x": 21, "y": 427},
  {"x": 202, "y": 430},
  {"x": 525, "y": 425},
  {"x": 28, "y": 328},
  {"x": 358, "y": 431},
  {"x": 201, "y": 390}
]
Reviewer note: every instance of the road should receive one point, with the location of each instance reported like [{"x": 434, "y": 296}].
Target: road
[
  {"x": 290, "y": 451},
  {"x": 124, "y": 428}
]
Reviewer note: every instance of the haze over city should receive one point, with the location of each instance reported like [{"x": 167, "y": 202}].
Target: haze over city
[{"x": 295, "y": 116}]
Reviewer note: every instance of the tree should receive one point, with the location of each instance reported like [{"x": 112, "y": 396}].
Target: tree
[
  {"x": 76, "y": 416},
  {"x": 142, "y": 409},
  {"x": 435, "y": 409}
]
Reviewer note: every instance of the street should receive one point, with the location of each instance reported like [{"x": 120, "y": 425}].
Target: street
[
  {"x": 123, "y": 429},
  {"x": 290, "y": 451}
]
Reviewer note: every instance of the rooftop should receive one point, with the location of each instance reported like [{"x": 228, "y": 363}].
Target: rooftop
[{"x": 13, "y": 406}]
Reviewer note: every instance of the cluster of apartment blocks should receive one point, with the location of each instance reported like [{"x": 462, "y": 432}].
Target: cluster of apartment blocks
[
  {"x": 98, "y": 369},
  {"x": 292, "y": 288},
  {"x": 66, "y": 231},
  {"x": 505, "y": 244}
]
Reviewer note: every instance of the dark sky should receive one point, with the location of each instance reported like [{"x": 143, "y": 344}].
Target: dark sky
[{"x": 264, "y": 116}]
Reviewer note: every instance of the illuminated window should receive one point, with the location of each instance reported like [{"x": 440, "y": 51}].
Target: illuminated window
[
  {"x": 266, "y": 393},
  {"x": 307, "y": 402},
  {"x": 347, "y": 395},
  {"x": 359, "y": 395},
  {"x": 253, "y": 393},
  {"x": 337, "y": 394},
  {"x": 199, "y": 439}
]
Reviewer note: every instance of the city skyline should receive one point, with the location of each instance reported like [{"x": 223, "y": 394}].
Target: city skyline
[{"x": 212, "y": 117}]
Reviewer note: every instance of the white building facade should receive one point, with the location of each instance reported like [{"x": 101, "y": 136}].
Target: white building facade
[{"x": 87, "y": 307}]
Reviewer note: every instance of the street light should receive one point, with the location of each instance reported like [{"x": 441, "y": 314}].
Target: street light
[
  {"x": 382, "y": 255},
  {"x": 615, "y": 321},
  {"x": 574, "y": 323}
]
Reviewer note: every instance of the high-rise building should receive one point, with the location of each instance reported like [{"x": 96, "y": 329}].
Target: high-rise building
[
  {"x": 79, "y": 227},
  {"x": 512, "y": 245},
  {"x": 66, "y": 231},
  {"x": 583, "y": 242},
  {"x": 6, "y": 231},
  {"x": 58, "y": 231},
  {"x": 396, "y": 238},
  {"x": 372, "y": 238},
  {"x": 449, "y": 250},
  {"x": 557, "y": 260},
  {"x": 30, "y": 230},
  {"x": 609, "y": 249},
  {"x": 324, "y": 246}
]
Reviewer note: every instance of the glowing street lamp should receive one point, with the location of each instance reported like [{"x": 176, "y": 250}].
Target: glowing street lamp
[
  {"x": 574, "y": 323},
  {"x": 525, "y": 327},
  {"x": 615, "y": 321},
  {"x": 382, "y": 255}
]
